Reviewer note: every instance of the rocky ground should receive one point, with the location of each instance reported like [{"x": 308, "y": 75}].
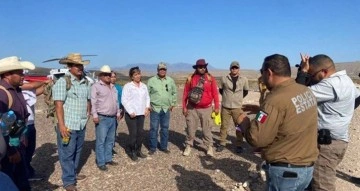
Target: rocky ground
[{"x": 225, "y": 171}]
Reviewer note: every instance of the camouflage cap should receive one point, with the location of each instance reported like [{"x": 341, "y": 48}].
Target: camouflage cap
[
  {"x": 234, "y": 64},
  {"x": 161, "y": 65}
]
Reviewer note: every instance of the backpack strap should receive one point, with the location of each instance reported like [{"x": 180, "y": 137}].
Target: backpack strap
[
  {"x": 10, "y": 98},
  {"x": 68, "y": 82}
]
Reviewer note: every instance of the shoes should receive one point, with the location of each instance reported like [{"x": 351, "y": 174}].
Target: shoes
[
  {"x": 187, "y": 150},
  {"x": 239, "y": 150},
  {"x": 103, "y": 168},
  {"x": 220, "y": 148},
  {"x": 71, "y": 187},
  {"x": 165, "y": 151},
  {"x": 140, "y": 154},
  {"x": 151, "y": 152},
  {"x": 210, "y": 151},
  {"x": 355, "y": 180},
  {"x": 112, "y": 163},
  {"x": 80, "y": 177}
]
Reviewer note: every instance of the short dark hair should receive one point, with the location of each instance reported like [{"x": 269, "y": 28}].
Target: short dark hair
[
  {"x": 113, "y": 72},
  {"x": 320, "y": 60},
  {"x": 134, "y": 70},
  {"x": 278, "y": 64}
]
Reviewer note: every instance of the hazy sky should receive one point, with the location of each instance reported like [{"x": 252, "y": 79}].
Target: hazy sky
[{"x": 149, "y": 31}]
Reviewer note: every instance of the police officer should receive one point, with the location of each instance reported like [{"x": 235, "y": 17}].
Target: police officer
[{"x": 285, "y": 127}]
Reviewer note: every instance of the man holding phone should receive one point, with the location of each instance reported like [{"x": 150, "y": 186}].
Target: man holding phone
[{"x": 285, "y": 127}]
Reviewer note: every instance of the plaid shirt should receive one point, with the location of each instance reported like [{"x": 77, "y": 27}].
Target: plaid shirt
[{"x": 75, "y": 101}]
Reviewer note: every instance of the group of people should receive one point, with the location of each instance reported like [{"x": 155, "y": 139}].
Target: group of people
[{"x": 301, "y": 125}]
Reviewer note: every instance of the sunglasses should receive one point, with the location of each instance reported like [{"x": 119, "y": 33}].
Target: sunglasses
[
  {"x": 166, "y": 87},
  {"x": 201, "y": 67},
  {"x": 321, "y": 70},
  {"x": 164, "y": 69},
  {"x": 106, "y": 74},
  {"x": 234, "y": 68}
]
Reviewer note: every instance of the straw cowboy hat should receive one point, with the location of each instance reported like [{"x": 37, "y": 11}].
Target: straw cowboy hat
[
  {"x": 105, "y": 69},
  {"x": 13, "y": 63},
  {"x": 74, "y": 58},
  {"x": 200, "y": 62}
]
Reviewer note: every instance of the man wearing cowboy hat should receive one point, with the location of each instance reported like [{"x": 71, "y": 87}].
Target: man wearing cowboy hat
[
  {"x": 200, "y": 92},
  {"x": 12, "y": 77},
  {"x": 72, "y": 111},
  {"x": 105, "y": 111}
]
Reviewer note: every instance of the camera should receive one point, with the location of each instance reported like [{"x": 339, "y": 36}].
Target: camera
[{"x": 324, "y": 137}]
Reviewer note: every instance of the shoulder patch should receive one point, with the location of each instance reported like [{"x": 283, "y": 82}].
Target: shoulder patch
[{"x": 261, "y": 117}]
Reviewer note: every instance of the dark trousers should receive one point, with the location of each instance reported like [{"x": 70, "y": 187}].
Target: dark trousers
[
  {"x": 30, "y": 149},
  {"x": 136, "y": 130},
  {"x": 17, "y": 172}
]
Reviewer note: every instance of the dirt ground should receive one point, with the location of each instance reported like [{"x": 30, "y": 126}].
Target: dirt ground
[{"x": 172, "y": 171}]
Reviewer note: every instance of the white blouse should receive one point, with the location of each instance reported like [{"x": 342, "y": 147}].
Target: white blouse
[{"x": 135, "y": 99}]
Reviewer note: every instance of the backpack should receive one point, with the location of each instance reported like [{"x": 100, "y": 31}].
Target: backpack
[
  {"x": 19, "y": 126},
  {"x": 195, "y": 93}
]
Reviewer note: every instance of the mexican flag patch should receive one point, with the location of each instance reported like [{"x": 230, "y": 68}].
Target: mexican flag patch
[{"x": 261, "y": 117}]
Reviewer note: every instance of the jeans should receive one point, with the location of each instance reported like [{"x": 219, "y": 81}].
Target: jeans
[
  {"x": 136, "y": 129},
  {"x": 105, "y": 138},
  {"x": 6, "y": 183},
  {"x": 162, "y": 118},
  {"x": 276, "y": 181},
  {"x": 30, "y": 149},
  {"x": 69, "y": 155}
]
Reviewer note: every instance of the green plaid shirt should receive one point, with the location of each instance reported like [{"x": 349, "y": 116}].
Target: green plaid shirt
[{"x": 75, "y": 101}]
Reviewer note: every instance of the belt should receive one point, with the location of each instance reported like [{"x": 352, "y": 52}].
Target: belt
[
  {"x": 282, "y": 164},
  {"x": 111, "y": 116}
]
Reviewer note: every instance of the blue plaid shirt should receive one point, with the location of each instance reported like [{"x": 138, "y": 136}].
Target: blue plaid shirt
[{"x": 75, "y": 101}]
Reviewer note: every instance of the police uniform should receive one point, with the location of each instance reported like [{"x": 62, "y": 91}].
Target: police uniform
[{"x": 286, "y": 126}]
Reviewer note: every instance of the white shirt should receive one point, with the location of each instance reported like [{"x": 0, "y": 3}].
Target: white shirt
[
  {"x": 30, "y": 98},
  {"x": 336, "y": 99},
  {"x": 135, "y": 98}
]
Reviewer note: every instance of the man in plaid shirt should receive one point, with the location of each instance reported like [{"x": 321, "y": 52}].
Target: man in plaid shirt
[{"x": 72, "y": 108}]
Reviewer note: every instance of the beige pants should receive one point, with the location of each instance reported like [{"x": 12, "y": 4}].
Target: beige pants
[
  {"x": 228, "y": 119},
  {"x": 325, "y": 167},
  {"x": 192, "y": 123}
]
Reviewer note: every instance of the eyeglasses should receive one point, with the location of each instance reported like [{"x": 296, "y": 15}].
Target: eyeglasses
[
  {"x": 166, "y": 87},
  {"x": 261, "y": 71},
  {"x": 321, "y": 70}
]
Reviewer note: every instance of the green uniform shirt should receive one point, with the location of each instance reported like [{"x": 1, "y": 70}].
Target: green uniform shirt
[{"x": 163, "y": 93}]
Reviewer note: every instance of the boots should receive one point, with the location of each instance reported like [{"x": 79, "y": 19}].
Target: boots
[
  {"x": 132, "y": 153},
  {"x": 139, "y": 153}
]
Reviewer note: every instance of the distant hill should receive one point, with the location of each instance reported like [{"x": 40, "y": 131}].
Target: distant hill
[{"x": 184, "y": 69}]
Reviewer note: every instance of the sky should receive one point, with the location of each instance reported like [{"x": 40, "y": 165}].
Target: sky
[{"x": 123, "y": 32}]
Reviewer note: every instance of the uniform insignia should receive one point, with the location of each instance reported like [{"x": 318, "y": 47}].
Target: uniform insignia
[{"x": 261, "y": 117}]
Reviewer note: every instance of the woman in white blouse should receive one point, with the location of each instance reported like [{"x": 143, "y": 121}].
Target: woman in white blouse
[{"x": 136, "y": 101}]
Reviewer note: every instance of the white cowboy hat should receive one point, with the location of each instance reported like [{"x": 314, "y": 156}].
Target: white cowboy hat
[
  {"x": 13, "y": 63},
  {"x": 105, "y": 69},
  {"x": 73, "y": 58}
]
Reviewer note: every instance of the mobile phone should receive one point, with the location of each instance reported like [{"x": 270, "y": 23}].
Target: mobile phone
[{"x": 289, "y": 174}]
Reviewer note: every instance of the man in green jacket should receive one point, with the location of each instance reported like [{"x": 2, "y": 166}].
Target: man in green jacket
[{"x": 163, "y": 97}]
